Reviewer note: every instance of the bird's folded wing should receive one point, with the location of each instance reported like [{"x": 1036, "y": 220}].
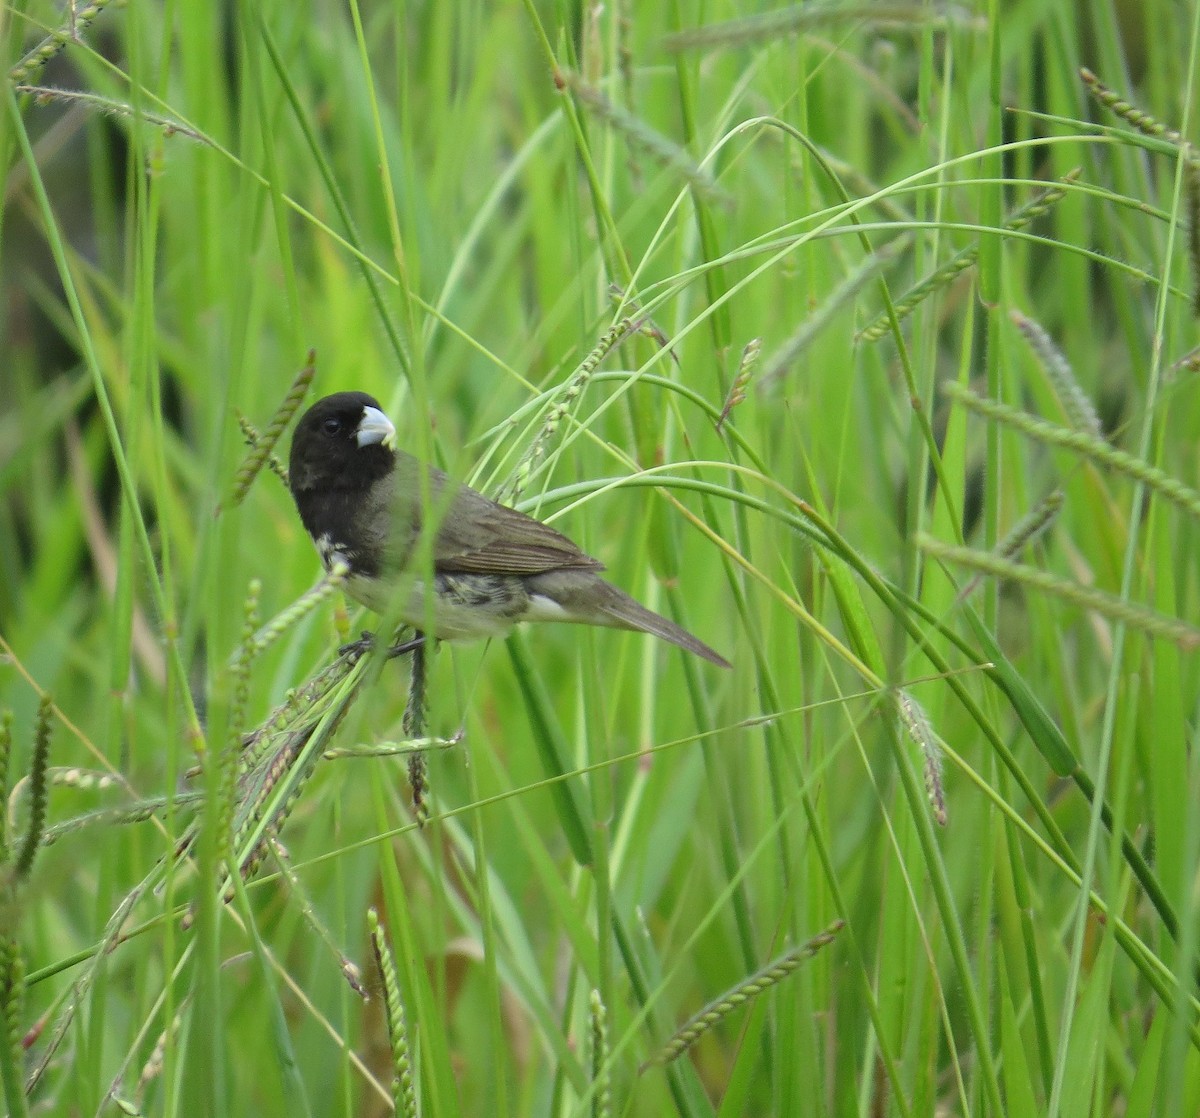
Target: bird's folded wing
[{"x": 478, "y": 536}]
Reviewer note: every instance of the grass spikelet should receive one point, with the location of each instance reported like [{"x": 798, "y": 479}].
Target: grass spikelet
[
  {"x": 1191, "y": 181},
  {"x": 261, "y": 640},
  {"x": 413, "y": 724},
  {"x": 391, "y": 748},
  {"x": 38, "y": 786},
  {"x": 275, "y": 761},
  {"x": 257, "y": 744},
  {"x": 641, "y": 137},
  {"x": 1084, "y": 597},
  {"x": 1023, "y": 533},
  {"x": 6, "y": 720},
  {"x": 1099, "y": 451},
  {"x": 78, "y": 21},
  {"x": 1135, "y": 117},
  {"x": 152, "y": 1069},
  {"x": 269, "y": 790},
  {"x": 12, "y": 1006},
  {"x": 91, "y": 780},
  {"x": 806, "y": 17},
  {"x": 1031, "y": 525},
  {"x": 1081, "y": 413},
  {"x": 108, "y": 106},
  {"x": 643, "y": 324},
  {"x": 601, "y": 1087},
  {"x": 253, "y": 437},
  {"x": 240, "y": 697},
  {"x": 1189, "y": 361},
  {"x": 737, "y": 391},
  {"x": 262, "y": 445},
  {"x": 568, "y": 396},
  {"x": 119, "y": 816},
  {"x": 12, "y": 966},
  {"x": 268, "y": 798},
  {"x": 404, "y": 1093},
  {"x": 944, "y": 274},
  {"x": 771, "y": 975},
  {"x": 916, "y": 724}
]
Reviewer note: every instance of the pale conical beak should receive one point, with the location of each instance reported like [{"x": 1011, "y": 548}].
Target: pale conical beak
[{"x": 375, "y": 427}]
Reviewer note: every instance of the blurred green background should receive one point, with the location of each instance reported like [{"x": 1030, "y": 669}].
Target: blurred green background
[{"x": 451, "y": 206}]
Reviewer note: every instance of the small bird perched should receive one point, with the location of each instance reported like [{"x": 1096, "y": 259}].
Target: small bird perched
[{"x": 360, "y": 499}]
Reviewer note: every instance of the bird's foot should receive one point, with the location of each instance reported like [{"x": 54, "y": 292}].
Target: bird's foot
[
  {"x": 405, "y": 647},
  {"x": 360, "y": 647},
  {"x": 366, "y": 643}
]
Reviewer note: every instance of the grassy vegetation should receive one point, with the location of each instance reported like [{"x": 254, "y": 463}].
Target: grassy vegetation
[{"x": 773, "y": 313}]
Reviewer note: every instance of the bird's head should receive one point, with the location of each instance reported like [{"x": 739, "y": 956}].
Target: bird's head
[{"x": 343, "y": 441}]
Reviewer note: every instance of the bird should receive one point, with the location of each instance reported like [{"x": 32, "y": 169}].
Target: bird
[{"x": 360, "y": 499}]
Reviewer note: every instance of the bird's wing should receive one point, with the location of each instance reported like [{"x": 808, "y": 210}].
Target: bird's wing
[
  {"x": 478, "y": 536},
  {"x": 475, "y": 535}
]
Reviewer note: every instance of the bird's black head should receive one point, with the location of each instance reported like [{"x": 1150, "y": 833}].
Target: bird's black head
[{"x": 342, "y": 442}]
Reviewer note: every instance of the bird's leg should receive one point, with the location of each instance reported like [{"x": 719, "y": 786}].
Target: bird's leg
[
  {"x": 413, "y": 722},
  {"x": 413, "y": 725}
]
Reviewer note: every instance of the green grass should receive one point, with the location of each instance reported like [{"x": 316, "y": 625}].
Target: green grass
[{"x": 437, "y": 200}]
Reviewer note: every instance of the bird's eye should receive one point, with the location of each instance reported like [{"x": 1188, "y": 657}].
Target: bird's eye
[{"x": 332, "y": 425}]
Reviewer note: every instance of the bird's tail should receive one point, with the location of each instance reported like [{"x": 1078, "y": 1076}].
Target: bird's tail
[
  {"x": 584, "y": 597},
  {"x": 623, "y": 612}
]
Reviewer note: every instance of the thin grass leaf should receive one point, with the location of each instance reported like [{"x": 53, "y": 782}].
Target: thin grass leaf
[
  {"x": 554, "y": 751},
  {"x": 82, "y": 986},
  {"x": 308, "y": 912},
  {"x": 786, "y": 355}
]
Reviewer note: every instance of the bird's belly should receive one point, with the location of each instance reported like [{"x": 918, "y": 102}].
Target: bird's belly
[{"x": 463, "y": 607}]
